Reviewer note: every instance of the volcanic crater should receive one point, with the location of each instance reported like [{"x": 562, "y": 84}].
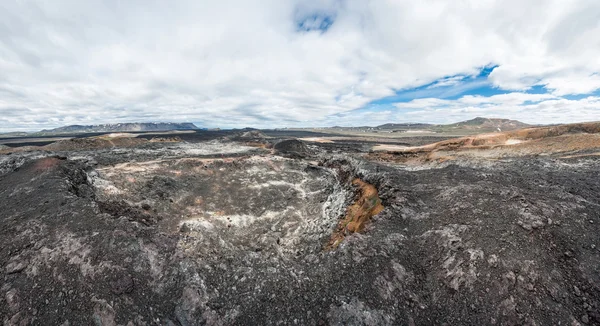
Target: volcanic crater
[{"x": 261, "y": 203}]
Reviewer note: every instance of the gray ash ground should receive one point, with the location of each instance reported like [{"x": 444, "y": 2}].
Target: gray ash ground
[{"x": 219, "y": 233}]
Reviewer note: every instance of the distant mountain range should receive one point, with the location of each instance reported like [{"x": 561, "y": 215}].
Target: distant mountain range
[
  {"x": 407, "y": 126},
  {"x": 123, "y": 127},
  {"x": 479, "y": 123}
]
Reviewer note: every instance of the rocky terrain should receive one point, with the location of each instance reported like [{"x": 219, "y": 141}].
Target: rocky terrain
[
  {"x": 263, "y": 229},
  {"x": 579, "y": 139}
]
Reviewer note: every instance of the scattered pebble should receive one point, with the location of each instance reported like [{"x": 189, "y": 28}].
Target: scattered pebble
[{"x": 16, "y": 267}]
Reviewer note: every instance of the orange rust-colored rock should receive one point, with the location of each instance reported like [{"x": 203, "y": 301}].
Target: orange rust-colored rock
[
  {"x": 257, "y": 144},
  {"x": 46, "y": 164},
  {"x": 358, "y": 215}
]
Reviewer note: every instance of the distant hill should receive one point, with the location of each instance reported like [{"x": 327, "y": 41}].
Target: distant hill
[
  {"x": 13, "y": 134},
  {"x": 122, "y": 127},
  {"x": 406, "y": 126},
  {"x": 489, "y": 123},
  {"x": 478, "y": 125}
]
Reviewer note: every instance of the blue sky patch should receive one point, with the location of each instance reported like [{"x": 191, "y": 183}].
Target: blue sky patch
[
  {"x": 581, "y": 96},
  {"x": 451, "y": 88},
  {"x": 448, "y": 88},
  {"x": 315, "y": 22}
]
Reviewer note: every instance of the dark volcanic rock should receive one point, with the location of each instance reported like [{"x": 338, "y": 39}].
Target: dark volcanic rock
[
  {"x": 123, "y": 284},
  {"x": 15, "y": 266},
  {"x": 292, "y": 147},
  {"x": 123, "y": 209},
  {"x": 252, "y": 134}
]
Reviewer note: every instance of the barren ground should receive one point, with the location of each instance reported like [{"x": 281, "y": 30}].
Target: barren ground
[{"x": 253, "y": 229}]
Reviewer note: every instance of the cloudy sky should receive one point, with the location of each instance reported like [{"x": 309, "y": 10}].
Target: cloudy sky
[{"x": 263, "y": 63}]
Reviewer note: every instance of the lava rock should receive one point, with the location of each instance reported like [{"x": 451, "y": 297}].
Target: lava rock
[
  {"x": 292, "y": 148},
  {"x": 16, "y": 267},
  {"x": 122, "y": 285}
]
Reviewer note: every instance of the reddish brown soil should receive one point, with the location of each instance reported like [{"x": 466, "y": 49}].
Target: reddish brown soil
[
  {"x": 358, "y": 215},
  {"x": 45, "y": 164}
]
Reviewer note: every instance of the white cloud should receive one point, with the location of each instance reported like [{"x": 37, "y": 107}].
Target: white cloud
[
  {"x": 573, "y": 84},
  {"x": 449, "y": 81},
  {"x": 238, "y": 63},
  {"x": 504, "y": 99},
  {"x": 470, "y": 100}
]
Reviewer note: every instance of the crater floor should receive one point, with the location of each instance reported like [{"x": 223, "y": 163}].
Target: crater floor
[{"x": 258, "y": 203}]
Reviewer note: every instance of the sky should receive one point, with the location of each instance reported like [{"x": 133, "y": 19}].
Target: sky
[{"x": 297, "y": 63}]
